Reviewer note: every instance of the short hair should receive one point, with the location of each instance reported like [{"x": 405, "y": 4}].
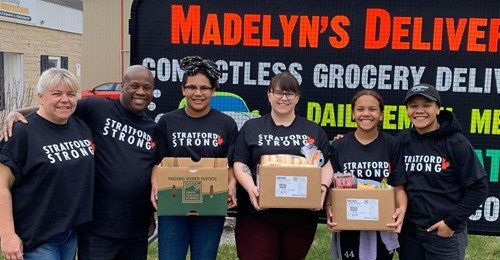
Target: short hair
[
  {"x": 53, "y": 77},
  {"x": 285, "y": 81}
]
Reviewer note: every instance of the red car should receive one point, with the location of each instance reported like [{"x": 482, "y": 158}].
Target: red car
[{"x": 108, "y": 89}]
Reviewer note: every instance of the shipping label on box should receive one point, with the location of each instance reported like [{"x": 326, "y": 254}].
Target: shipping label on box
[
  {"x": 363, "y": 209},
  {"x": 192, "y": 188},
  {"x": 289, "y": 187}
]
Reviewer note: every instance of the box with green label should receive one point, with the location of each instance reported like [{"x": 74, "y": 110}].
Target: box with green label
[{"x": 188, "y": 188}]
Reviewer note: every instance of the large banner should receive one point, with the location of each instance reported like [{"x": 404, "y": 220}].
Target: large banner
[{"x": 336, "y": 48}]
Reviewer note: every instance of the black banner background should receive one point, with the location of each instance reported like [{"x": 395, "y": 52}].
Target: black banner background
[{"x": 453, "y": 44}]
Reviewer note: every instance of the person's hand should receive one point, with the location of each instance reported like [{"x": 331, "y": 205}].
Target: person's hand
[
  {"x": 329, "y": 218},
  {"x": 398, "y": 216},
  {"x": 442, "y": 229},
  {"x": 12, "y": 117},
  {"x": 12, "y": 247},
  {"x": 154, "y": 187},
  {"x": 253, "y": 193},
  {"x": 337, "y": 137},
  {"x": 152, "y": 226},
  {"x": 231, "y": 195}
]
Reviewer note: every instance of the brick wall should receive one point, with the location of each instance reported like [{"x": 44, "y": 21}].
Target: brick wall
[{"x": 32, "y": 42}]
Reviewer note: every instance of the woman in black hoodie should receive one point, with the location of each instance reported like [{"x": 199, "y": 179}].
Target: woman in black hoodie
[{"x": 444, "y": 180}]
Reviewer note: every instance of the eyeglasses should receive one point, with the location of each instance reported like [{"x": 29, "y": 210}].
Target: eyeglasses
[
  {"x": 203, "y": 89},
  {"x": 280, "y": 94}
]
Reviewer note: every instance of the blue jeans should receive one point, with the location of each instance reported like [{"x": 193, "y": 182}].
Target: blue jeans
[
  {"x": 59, "y": 247},
  {"x": 201, "y": 233}
]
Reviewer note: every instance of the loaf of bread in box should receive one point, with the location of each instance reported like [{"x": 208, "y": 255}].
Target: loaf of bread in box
[{"x": 284, "y": 160}]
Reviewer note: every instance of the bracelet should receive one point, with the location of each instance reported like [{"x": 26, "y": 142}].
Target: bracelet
[{"x": 324, "y": 185}]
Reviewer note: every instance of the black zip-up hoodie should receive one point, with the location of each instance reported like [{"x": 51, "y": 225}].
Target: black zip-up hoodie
[{"x": 443, "y": 177}]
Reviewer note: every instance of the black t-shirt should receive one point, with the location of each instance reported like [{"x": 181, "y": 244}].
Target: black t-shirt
[
  {"x": 125, "y": 155},
  {"x": 374, "y": 161},
  {"x": 262, "y": 136},
  {"x": 54, "y": 170},
  {"x": 209, "y": 136}
]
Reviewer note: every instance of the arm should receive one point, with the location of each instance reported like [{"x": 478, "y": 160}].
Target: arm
[
  {"x": 326, "y": 179},
  {"x": 12, "y": 246},
  {"x": 231, "y": 189},
  {"x": 401, "y": 204},
  {"x": 244, "y": 177},
  {"x": 14, "y": 116},
  {"x": 474, "y": 196},
  {"x": 154, "y": 186}
]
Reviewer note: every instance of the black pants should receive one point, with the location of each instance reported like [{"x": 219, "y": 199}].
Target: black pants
[{"x": 92, "y": 246}]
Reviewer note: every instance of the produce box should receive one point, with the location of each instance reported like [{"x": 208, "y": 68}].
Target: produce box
[
  {"x": 289, "y": 186},
  {"x": 187, "y": 188},
  {"x": 363, "y": 209}
]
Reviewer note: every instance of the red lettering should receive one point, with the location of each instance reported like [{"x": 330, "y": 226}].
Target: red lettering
[
  {"x": 417, "y": 36},
  {"x": 288, "y": 27},
  {"x": 399, "y": 33},
  {"x": 475, "y": 34},
  {"x": 494, "y": 35},
  {"x": 251, "y": 29},
  {"x": 188, "y": 26},
  {"x": 337, "y": 24},
  {"x": 212, "y": 31},
  {"x": 455, "y": 35},
  {"x": 232, "y": 29},
  {"x": 377, "y": 21},
  {"x": 266, "y": 33},
  {"x": 309, "y": 31}
]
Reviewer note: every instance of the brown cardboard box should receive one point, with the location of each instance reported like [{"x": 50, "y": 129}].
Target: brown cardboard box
[
  {"x": 192, "y": 188},
  {"x": 289, "y": 187},
  {"x": 363, "y": 209}
]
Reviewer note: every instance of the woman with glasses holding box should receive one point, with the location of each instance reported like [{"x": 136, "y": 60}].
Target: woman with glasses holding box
[
  {"x": 201, "y": 233},
  {"x": 275, "y": 233}
]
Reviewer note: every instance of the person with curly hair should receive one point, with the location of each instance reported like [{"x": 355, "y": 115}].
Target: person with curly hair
[{"x": 200, "y": 233}]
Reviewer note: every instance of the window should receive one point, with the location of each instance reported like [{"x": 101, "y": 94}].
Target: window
[{"x": 48, "y": 62}]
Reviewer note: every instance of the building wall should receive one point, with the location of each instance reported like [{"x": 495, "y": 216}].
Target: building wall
[
  {"x": 34, "y": 41},
  {"x": 105, "y": 41},
  {"x": 30, "y": 29}
]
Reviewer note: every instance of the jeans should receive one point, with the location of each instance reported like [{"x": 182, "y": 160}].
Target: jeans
[
  {"x": 418, "y": 244},
  {"x": 59, "y": 247},
  {"x": 201, "y": 233}
]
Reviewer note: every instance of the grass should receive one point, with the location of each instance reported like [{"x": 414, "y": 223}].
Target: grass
[{"x": 479, "y": 247}]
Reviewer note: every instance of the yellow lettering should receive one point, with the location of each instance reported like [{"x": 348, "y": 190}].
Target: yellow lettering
[
  {"x": 328, "y": 116},
  {"x": 314, "y": 112},
  {"x": 495, "y": 129},
  {"x": 480, "y": 124},
  {"x": 403, "y": 120},
  {"x": 389, "y": 117}
]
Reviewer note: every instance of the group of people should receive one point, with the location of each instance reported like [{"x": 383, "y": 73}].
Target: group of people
[{"x": 87, "y": 178}]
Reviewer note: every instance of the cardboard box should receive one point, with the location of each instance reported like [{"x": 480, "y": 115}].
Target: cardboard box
[
  {"x": 289, "y": 187},
  {"x": 187, "y": 188},
  {"x": 363, "y": 209}
]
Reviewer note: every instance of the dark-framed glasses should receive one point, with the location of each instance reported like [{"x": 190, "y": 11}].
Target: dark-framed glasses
[
  {"x": 202, "y": 89},
  {"x": 279, "y": 94}
]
